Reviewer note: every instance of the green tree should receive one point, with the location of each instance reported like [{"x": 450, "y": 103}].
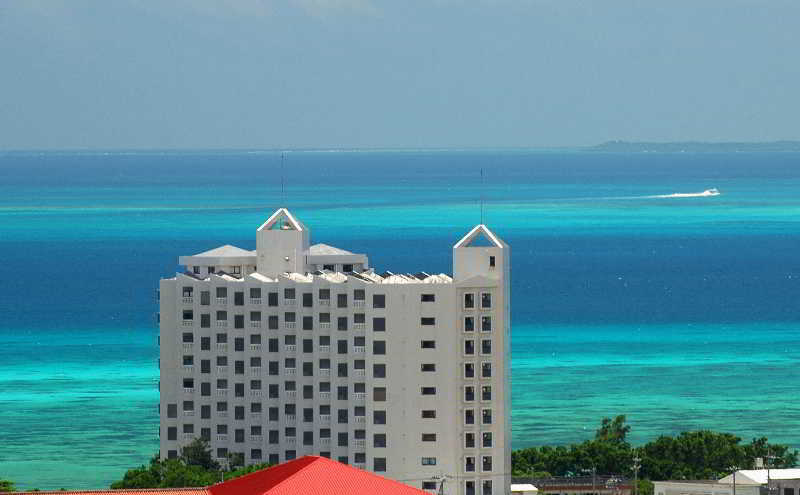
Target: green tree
[
  {"x": 198, "y": 453},
  {"x": 6, "y": 486},
  {"x": 613, "y": 430}
]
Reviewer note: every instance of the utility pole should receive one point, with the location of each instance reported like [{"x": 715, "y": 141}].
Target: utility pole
[
  {"x": 637, "y": 463},
  {"x": 734, "y": 469}
]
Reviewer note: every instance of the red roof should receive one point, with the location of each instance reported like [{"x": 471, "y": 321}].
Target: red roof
[
  {"x": 124, "y": 491},
  {"x": 312, "y": 475}
]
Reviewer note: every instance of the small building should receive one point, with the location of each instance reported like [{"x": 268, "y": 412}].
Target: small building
[
  {"x": 742, "y": 482},
  {"x": 577, "y": 485},
  {"x": 523, "y": 489}
]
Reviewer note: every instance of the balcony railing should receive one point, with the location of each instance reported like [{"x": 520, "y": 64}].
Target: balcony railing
[
  {"x": 188, "y": 413},
  {"x": 325, "y": 419},
  {"x": 254, "y": 300},
  {"x": 360, "y": 419},
  {"x": 291, "y": 440},
  {"x": 359, "y": 373},
  {"x": 187, "y": 346},
  {"x": 359, "y": 396},
  {"x": 324, "y": 441},
  {"x": 359, "y": 465},
  {"x": 222, "y": 370},
  {"x": 188, "y": 436},
  {"x": 255, "y": 347},
  {"x": 325, "y": 372},
  {"x": 290, "y": 325},
  {"x": 255, "y": 370},
  {"x": 222, "y": 300},
  {"x": 291, "y": 419},
  {"x": 222, "y": 414},
  {"x": 255, "y": 324},
  {"x": 325, "y": 326},
  {"x": 188, "y": 300},
  {"x": 291, "y": 394},
  {"x": 325, "y": 396},
  {"x": 359, "y": 349},
  {"x": 290, "y": 371},
  {"x": 222, "y": 392},
  {"x": 256, "y": 393},
  {"x": 222, "y": 438},
  {"x": 290, "y": 302},
  {"x": 359, "y": 443},
  {"x": 359, "y": 303},
  {"x": 222, "y": 323},
  {"x": 324, "y": 302},
  {"x": 188, "y": 369},
  {"x": 325, "y": 349},
  {"x": 187, "y": 390},
  {"x": 187, "y": 323},
  {"x": 359, "y": 326},
  {"x": 290, "y": 348},
  {"x": 222, "y": 347}
]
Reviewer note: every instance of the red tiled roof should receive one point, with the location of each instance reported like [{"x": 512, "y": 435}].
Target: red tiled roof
[
  {"x": 130, "y": 491},
  {"x": 312, "y": 475}
]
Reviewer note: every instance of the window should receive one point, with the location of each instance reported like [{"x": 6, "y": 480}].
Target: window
[
  {"x": 290, "y": 454},
  {"x": 172, "y": 433},
  {"x": 272, "y": 413},
  {"x": 379, "y": 300},
  {"x": 172, "y": 410},
  {"x": 330, "y": 268},
  {"x": 255, "y": 316},
  {"x": 273, "y": 392},
  {"x": 288, "y": 293},
  {"x": 238, "y": 344},
  {"x": 486, "y": 465},
  {"x": 428, "y": 461},
  {"x": 428, "y": 344},
  {"x": 222, "y": 429},
  {"x": 359, "y": 318},
  {"x": 491, "y": 262},
  {"x": 238, "y": 391},
  {"x": 469, "y": 393},
  {"x": 379, "y": 394},
  {"x": 428, "y": 390},
  {"x": 255, "y": 408},
  {"x": 469, "y": 300},
  {"x": 379, "y": 417},
  {"x": 378, "y": 347},
  {"x": 341, "y": 300},
  {"x": 238, "y": 321},
  {"x": 379, "y": 441},
  {"x": 341, "y": 346},
  {"x": 188, "y": 314},
  {"x": 469, "y": 347},
  {"x": 379, "y": 324},
  {"x": 308, "y": 368},
  {"x": 255, "y": 339},
  {"x": 308, "y": 323},
  {"x": 341, "y": 323},
  {"x": 486, "y": 300},
  {"x": 342, "y": 440},
  {"x": 469, "y": 464},
  {"x": 469, "y": 370},
  {"x": 188, "y": 383},
  {"x": 341, "y": 372},
  {"x": 486, "y": 440},
  {"x": 379, "y": 464},
  {"x": 238, "y": 298},
  {"x": 196, "y": 270},
  {"x": 273, "y": 459},
  {"x": 272, "y": 368},
  {"x": 469, "y": 416},
  {"x": 222, "y": 315},
  {"x": 222, "y": 452},
  {"x": 428, "y": 413},
  {"x": 428, "y": 298},
  {"x": 205, "y": 433},
  {"x": 469, "y": 323},
  {"x": 255, "y": 454},
  {"x": 486, "y": 485},
  {"x": 205, "y": 320},
  {"x": 188, "y": 360},
  {"x": 378, "y": 370},
  {"x": 469, "y": 440},
  {"x": 358, "y": 294},
  {"x": 222, "y": 360},
  {"x": 272, "y": 345},
  {"x": 272, "y": 322},
  {"x": 205, "y": 412},
  {"x": 205, "y": 343},
  {"x": 324, "y": 317},
  {"x": 289, "y": 317},
  {"x": 428, "y": 367},
  {"x": 308, "y": 299},
  {"x": 237, "y": 270},
  {"x": 486, "y": 323},
  {"x": 238, "y": 436},
  {"x": 325, "y": 294},
  {"x": 272, "y": 299},
  {"x": 342, "y": 413},
  {"x": 205, "y": 388},
  {"x": 308, "y": 346},
  {"x": 486, "y": 370},
  {"x": 308, "y": 391},
  {"x": 255, "y": 293},
  {"x": 427, "y": 321},
  {"x": 486, "y": 346},
  {"x": 486, "y": 392},
  {"x": 347, "y": 269},
  {"x": 429, "y": 485},
  {"x": 469, "y": 487},
  {"x": 205, "y": 297},
  {"x": 486, "y": 417},
  {"x": 221, "y": 291},
  {"x": 429, "y": 437},
  {"x": 308, "y": 438}
]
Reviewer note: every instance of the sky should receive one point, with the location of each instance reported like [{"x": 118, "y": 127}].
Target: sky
[{"x": 267, "y": 74}]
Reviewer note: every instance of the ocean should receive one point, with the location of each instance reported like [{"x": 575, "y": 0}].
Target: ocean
[{"x": 681, "y": 312}]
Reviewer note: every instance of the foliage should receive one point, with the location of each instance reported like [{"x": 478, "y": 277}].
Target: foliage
[
  {"x": 6, "y": 486},
  {"x": 195, "y": 468},
  {"x": 691, "y": 455}
]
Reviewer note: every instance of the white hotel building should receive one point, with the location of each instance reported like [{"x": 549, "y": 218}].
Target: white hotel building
[{"x": 294, "y": 349}]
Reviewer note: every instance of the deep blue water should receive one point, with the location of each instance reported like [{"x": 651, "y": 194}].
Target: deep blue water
[{"x": 680, "y": 312}]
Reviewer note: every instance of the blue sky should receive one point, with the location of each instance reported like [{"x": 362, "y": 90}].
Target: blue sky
[{"x": 402, "y": 73}]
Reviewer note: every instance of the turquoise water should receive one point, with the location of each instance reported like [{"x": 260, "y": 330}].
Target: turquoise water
[{"x": 680, "y": 312}]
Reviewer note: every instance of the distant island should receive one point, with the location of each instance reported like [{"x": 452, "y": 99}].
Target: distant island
[{"x": 695, "y": 146}]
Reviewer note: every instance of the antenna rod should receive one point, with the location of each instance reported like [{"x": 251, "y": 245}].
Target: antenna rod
[
  {"x": 481, "y": 195},
  {"x": 283, "y": 195}
]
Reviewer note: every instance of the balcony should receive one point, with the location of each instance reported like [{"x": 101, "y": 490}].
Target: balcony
[
  {"x": 222, "y": 323},
  {"x": 188, "y": 436},
  {"x": 325, "y": 419},
  {"x": 222, "y": 392},
  {"x": 290, "y": 348},
  {"x": 325, "y": 396},
  {"x": 188, "y": 300},
  {"x": 222, "y": 347},
  {"x": 290, "y": 302},
  {"x": 290, "y": 371},
  {"x": 255, "y": 347},
  {"x": 324, "y": 302},
  {"x": 256, "y": 393},
  {"x": 254, "y": 300},
  {"x": 291, "y": 394},
  {"x": 359, "y": 465},
  {"x": 359, "y": 373},
  {"x": 188, "y": 413},
  {"x": 359, "y": 396},
  {"x": 222, "y": 438},
  {"x": 290, "y": 419},
  {"x": 255, "y": 324},
  {"x": 324, "y": 442},
  {"x": 290, "y": 325},
  {"x": 291, "y": 440},
  {"x": 359, "y": 303},
  {"x": 359, "y": 349},
  {"x": 360, "y": 419},
  {"x": 222, "y": 414},
  {"x": 222, "y": 300},
  {"x": 325, "y": 372},
  {"x": 187, "y": 390},
  {"x": 255, "y": 371},
  {"x": 359, "y": 443},
  {"x": 188, "y": 369},
  {"x": 359, "y": 326},
  {"x": 325, "y": 326},
  {"x": 325, "y": 349},
  {"x": 187, "y": 323},
  {"x": 222, "y": 370},
  {"x": 187, "y": 346}
]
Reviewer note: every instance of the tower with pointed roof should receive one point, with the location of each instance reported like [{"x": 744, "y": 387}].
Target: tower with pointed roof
[{"x": 296, "y": 349}]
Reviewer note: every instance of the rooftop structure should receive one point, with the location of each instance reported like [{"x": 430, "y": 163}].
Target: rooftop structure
[{"x": 296, "y": 349}]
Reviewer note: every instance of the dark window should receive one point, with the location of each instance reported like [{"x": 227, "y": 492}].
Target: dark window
[
  {"x": 273, "y": 436},
  {"x": 428, "y": 297},
  {"x": 341, "y": 323},
  {"x": 255, "y": 454},
  {"x": 379, "y": 464},
  {"x": 205, "y": 412},
  {"x": 428, "y": 367},
  {"x": 469, "y": 416},
  {"x": 273, "y": 391},
  {"x": 324, "y": 317},
  {"x": 205, "y": 320},
  {"x": 428, "y": 390},
  {"x": 238, "y": 436},
  {"x": 379, "y": 440},
  {"x": 238, "y": 389},
  {"x": 428, "y": 414},
  {"x": 205, "y": 433},
  {"x": 308, "y": 414},
  {"x": 486, "y": 370},
  {"x": 429, "y": 437},
  {"x": 288, "y": 293},
  {"x": 172, "y": 433},
  {"x": 379, "y": 370},
  {"x": 469, "y": 324},
  {"x": 238, "y": 344},
  {"x": 342, "y": 459},
  {"x": 359, "y": 318},
  {"x": 205, "y": 343},
  {"x": 486, "y": 300},
  {"x": 378, "y": 347},
  {"x": 378, "y": 300},
  {"x": 469, "y": 440},
  {"x": 469, "y": 347},
  {"x": 222, "y": 292},
  {"x": 308, "y": 346},
  {"x": 255, "y": 293},
  {"x": 308, "y": 323},
  {"x": 205, "y": 297},
  {"x": 205, "y": 366},
  {"x": 272, "y": 298},
  {"x": 273, "y": 367},
  {"x": 308, "y": 438},
  {"x": 325, "y": 294},
  {"x": 379, "y": 324},
  {"x": 308, "y": 391},
  {"x": 347, "y": 269},
  {"x": 469, "y": 300},
  {"x": 469, "y": 370},
  {"x": 342, "y": 414},
  {"x": 379, "y": 417},
  {"x": 486, "y": 346},
  {"x": 429, "y": 485},
  {"x": 308, "y": 368},
  {"x": 238, "y": 298},
  {"x": 342, "y": 372},
  {"x": 341, "y": 346},
  {"x": 341, "y": 300},
  {"x": 172, "y": 410},
  {"x": 342, "y": 440},
  {"x": 427, "y": 321},
  {"x": 308, "y": 299},
  {"x": 273, "y": 414},
  {"x": 428, "y": 344},
  {"x": 255, "y": 316},
  {"x": 289, "y": 317},
  {"x": 222, "y": 315},
  {"x": 205, "y": 388},
  {"x": 255, "y": 339},
  {"x": 491, "y": 261},
  {"x": 291, "y": 454},
  {"x": 272, "y": 322},
  {"x": 272, "y": 345},
  {"x": 238, "y": 321},
  {"x": 359, "y": 294},
  {"x": 379, "y": 394}
]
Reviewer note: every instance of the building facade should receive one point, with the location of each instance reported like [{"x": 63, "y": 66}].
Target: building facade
[{"x": 297, "y": 349}]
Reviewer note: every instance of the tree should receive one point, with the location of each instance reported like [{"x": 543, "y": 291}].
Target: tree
[
  {"x": 6, "y": 486},
  {"x": 198, "y": 453},
  {"x": 613, "y": 430}
]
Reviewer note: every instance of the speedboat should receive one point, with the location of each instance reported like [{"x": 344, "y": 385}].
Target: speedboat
[{"x": 710, "y": 192}]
